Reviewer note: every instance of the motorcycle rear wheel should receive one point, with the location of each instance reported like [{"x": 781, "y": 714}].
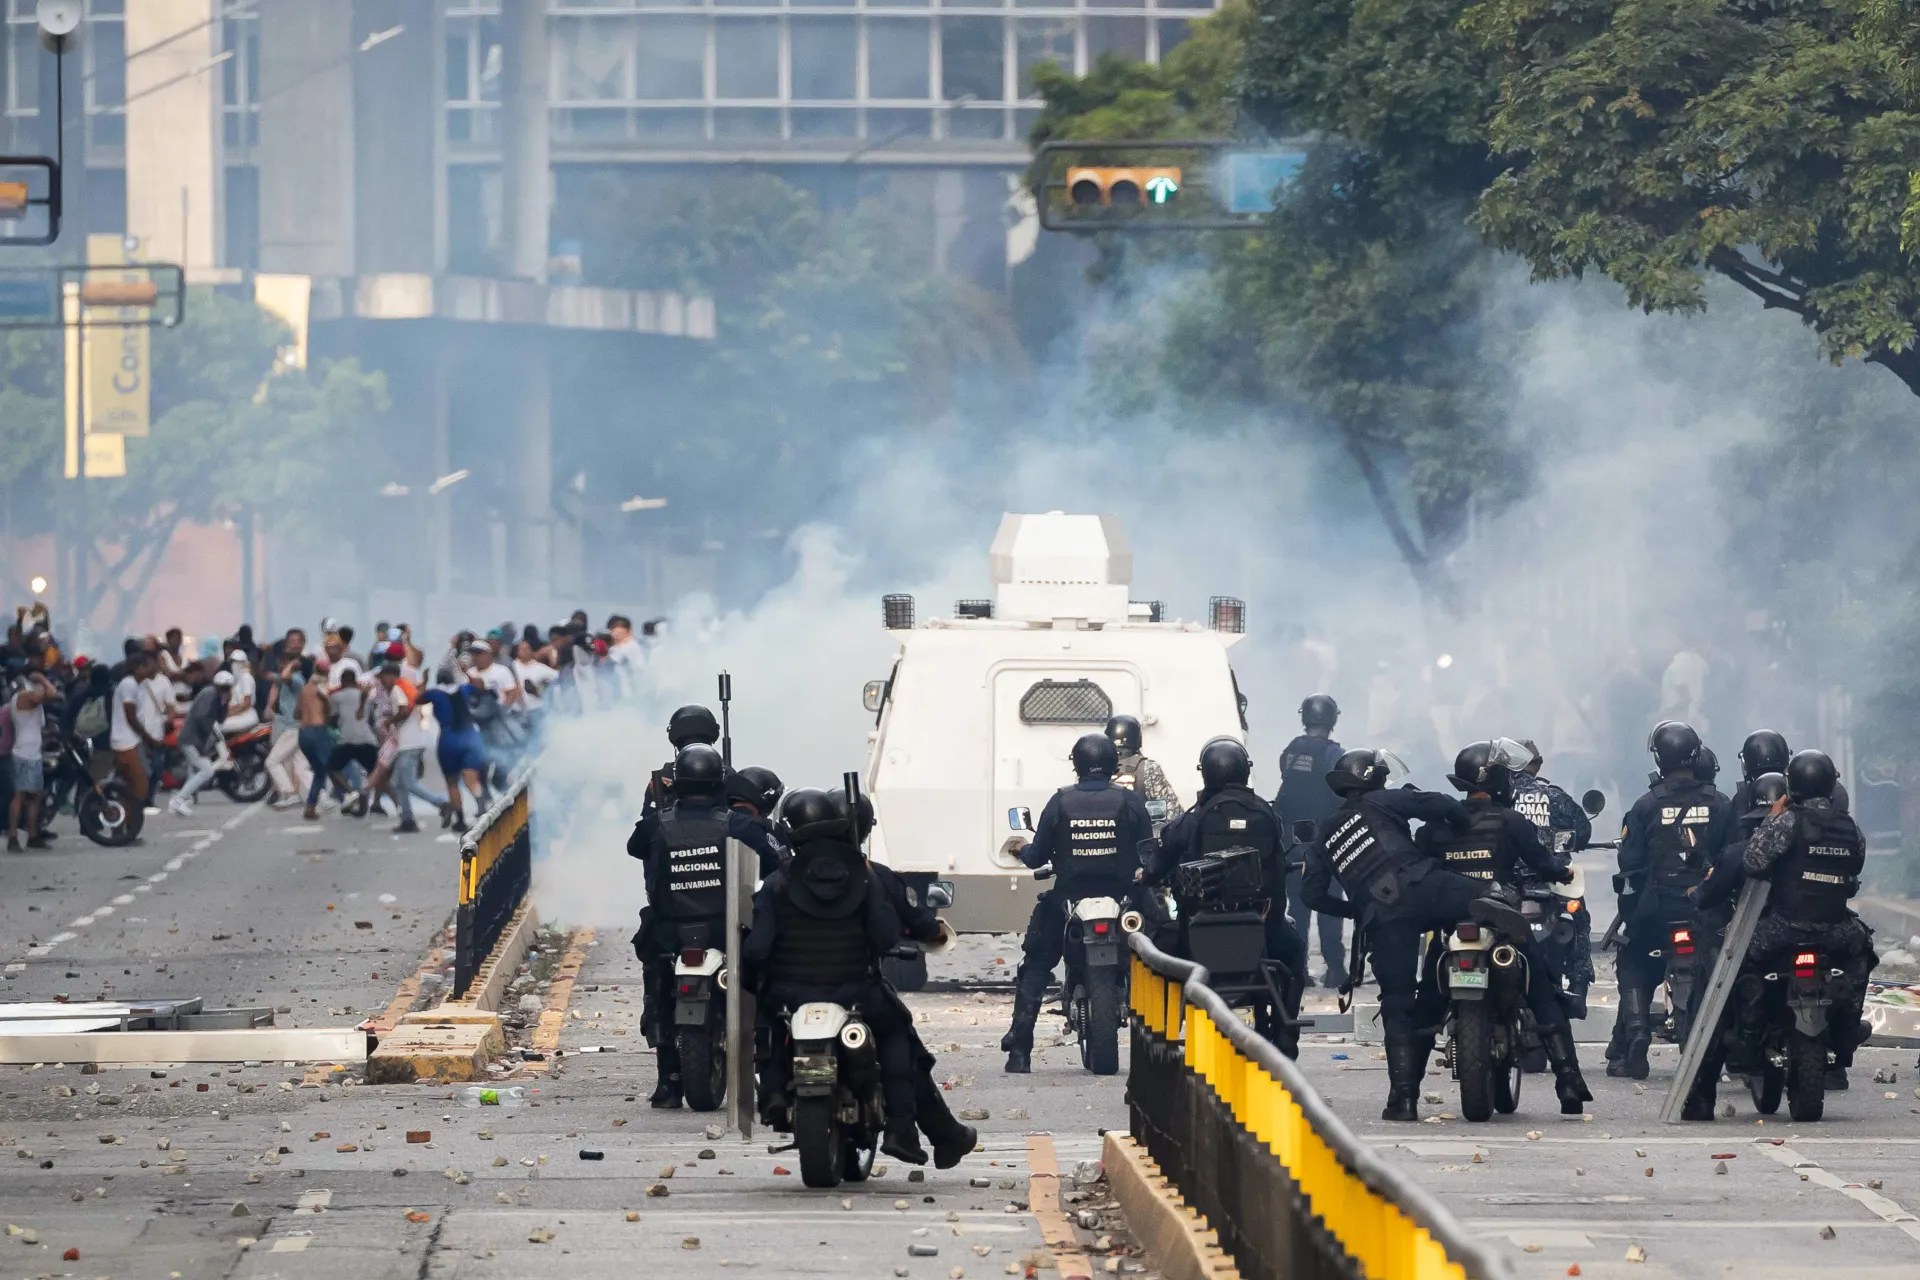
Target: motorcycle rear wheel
[
  {"x": 1806, "y": 1077},
  {"x": 1473, "y": 1058},
  {"x": 703, "y": 1067},
  {"x": 1100, "y": 1042},
  {"x": 816, "y": 1132},
  {"x": 247, "y": 782},
  {"x": 1766, "y": 1085}
]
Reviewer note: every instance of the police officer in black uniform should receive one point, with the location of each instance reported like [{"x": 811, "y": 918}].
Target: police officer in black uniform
[
  {"x": 952, "y": 1141},
  {"x": 1564, "y": 828},
  {"x": 1228, "y": 816},
  {"x": 1091, "y": 833},
  {"x": 684, "y": 848},
  {"x": 820, "y": 926},
  {"x": 1671, "y": 836},
  {"x": 1763, "y": 752},
  {"x": 756, "y": 791},
  {"x": 1706, "y": 769},
  {"x": 1497, "y": 843},
  {"x": 689, "y": 725},
  {"x": 1304, "y": 796},
  {"x": 1813, "y": 854},
  {"x": 1398, "y": 894}
]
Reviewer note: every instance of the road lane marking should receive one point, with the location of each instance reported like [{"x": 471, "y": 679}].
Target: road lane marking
[
  {"x": 206, "y": 841},
  {"x": 1888, "y": 1211}
]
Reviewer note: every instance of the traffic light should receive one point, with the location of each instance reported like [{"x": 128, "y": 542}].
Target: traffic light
[{"x": 1123, "y": 188}]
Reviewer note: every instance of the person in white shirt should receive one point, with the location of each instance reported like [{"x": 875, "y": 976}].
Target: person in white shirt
[
  {"x": 625, "y": 655},
  {"x": 493, "y": 675},
  {"x": 28, "y": 709},
  {"x": 128, "y": 734},
  {"x": 533, "y": 675},
  {"x": 243, "y": 711}
]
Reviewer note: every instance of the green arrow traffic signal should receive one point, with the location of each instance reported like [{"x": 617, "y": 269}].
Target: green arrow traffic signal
[{"x": 1161, "y": 188}]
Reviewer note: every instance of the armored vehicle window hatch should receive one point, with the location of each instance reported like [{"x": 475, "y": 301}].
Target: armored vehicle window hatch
[{"x": 1065, "y": 702}]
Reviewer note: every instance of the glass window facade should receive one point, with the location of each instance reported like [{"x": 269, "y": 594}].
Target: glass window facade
[{"x": 628, "y": 75}]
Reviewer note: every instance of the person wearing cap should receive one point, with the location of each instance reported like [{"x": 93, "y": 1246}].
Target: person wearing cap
[
  {"x": 242, "y": 710},
  {"x": 199, "y": 739}
]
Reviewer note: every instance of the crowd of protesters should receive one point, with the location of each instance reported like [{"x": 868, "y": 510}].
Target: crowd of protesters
[{"x": 335, "y": 720}]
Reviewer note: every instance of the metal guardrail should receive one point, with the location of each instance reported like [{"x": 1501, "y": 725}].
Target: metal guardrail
[
  {"x": 1292, "y": 1193},
  {"x": 496, "y": 869}
]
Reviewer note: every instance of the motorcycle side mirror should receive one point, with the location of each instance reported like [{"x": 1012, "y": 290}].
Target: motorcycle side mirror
[
  {"x": 1594, "y": 803},
  {"x": 1156, "y": 809},
  {"x": 872, "y": 694},
  {"x": 939, "y": 895},
  {"x": 1020, "y": 818},
  {"x": 1305, "y": 831}
]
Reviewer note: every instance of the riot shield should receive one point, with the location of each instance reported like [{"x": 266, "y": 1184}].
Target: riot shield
[
  {"x": 1709, "y": 1004},
  {"x": 743, "y": 871}
]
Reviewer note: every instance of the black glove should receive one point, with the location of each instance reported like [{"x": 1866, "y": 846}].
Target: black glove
[{"x": 1563, "y": 876}]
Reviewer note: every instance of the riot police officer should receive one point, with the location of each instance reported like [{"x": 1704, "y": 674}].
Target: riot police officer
[
  {"x": 1398, "y": 894},
  {"x": 1304, "y": 796},
  {"x": 820, "y": 926},
  {"x": 684, "y": 848},
  {"x": 687, "y": 726},
  {"x": 952, "y": 1140},
  {"x": 1565, "y": 829},
  {"x": 1668, "y": 840},
  {"x": 1229, "y": 817},
  {"x": 1135, "y": 771},
  {"x": 1493, "y": 848},
  {"x": 755, "y": 791},
  {"x": 1764, "y": 752},
  {"x": 1717, "y": 895},
  {"x": 1091, "y": 833},
  {"x": 1813, "y": 854}
]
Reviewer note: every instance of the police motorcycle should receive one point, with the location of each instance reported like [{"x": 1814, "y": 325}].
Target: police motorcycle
[
  {"x": 1226, "y": 933},
  {"x": 700, "y": 1018},
  {"x": 839, "y": 1112},
  {"x": 1681, "y": 942},
  {"x": 1093, "y": 999},
  {"x": 1799, "y": 989},
  {"x": 1490, "y": 1029}
]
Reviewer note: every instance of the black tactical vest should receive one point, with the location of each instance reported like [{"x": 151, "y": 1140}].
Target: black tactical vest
[
  {"x": 693, "y": 843},
  {"x": 1235, "y": 818},
  {"x": 1477, "y": 852},
  {"x": 1129, "y": 774},
  {"x": 1091, "y": 823},
  {"x": 1304, "y": 793},
  {"x": 1367, "y": 851},
  {"x": 1821, "y": 869},
  {"x": 1677, "y": 856},
  {"x": 1532, "y": 801},
  {"x": 813, "y": 948}
]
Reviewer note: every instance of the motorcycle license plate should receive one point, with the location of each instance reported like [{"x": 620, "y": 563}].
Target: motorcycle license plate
[
  {"x": 1472, "y": 978},
  {"x": 1103, "y": 953}
]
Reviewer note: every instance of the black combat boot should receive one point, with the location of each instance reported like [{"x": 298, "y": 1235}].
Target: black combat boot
[
  {"x": 1568, "y": 1085},
  {"x": 1406, "y": 1068},
  {"x": 902, "y": 1142},
  {"x": 666, "y": 1092},
  {"x": 1635, "y": 1006},
  {"x": 952, "y": 1141},
  {"x": 1018, "y": 1042}
]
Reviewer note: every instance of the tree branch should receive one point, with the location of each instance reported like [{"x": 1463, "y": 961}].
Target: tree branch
[
  {"x": 131, "y": 596},
  {"x": 1376, "y": 483},
  {"x": 1761, "y": 283}
]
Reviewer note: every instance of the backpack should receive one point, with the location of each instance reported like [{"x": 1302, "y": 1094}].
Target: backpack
[{"x": 92, "y": 720}]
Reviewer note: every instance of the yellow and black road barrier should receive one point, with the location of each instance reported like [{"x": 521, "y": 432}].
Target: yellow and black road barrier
[
  {"x": 496, "y": 870},
  {"x": 1291, "y": 1192}
]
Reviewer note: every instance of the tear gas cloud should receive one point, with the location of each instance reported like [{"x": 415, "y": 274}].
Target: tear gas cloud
[{"x": 1561, "y": 616}]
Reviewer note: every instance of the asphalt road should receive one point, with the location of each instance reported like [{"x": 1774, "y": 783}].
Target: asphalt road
[{"x": 151, "y": 1176}]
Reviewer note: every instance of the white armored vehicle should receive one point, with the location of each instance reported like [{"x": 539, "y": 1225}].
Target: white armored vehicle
[{"x": 982, "y": 708}]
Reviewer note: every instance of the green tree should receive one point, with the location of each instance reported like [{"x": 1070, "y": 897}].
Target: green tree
[
  {"x": 228, "y": 435},
  {"x": 1360, "y": 305},
  {"x": 1768, "y": 143}
]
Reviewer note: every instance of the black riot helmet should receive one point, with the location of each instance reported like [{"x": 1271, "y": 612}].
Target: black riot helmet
[
  {"x": 1483, "y": 766},
  {"x": 1674, "y": 745},
  {"x": 1358, "y": 771},
  {"x": 1764, "y": 751},
  {"x": 1319, "y": 711},
  {"x": 1124, "y": 733},
  {"x": 1094, "y": 757},
  {"x": 1706, "y": 765},
  {"x": 809, "y": 811},
  {"x": 758, "y": 787},
  {"x": 1767, "y": 788},
  {"x": 1811, "y": 775},
  {"x": 1224, "y": 762},
  {"x": 864, "y": 827},
  {"x": 699, "y": 773},
  {"x": 692, "y": 723}
]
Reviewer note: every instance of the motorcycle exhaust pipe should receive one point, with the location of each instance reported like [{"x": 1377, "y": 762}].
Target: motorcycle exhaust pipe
[
  {"x": 1132, "y": 922},
  {"x": 853, "y": 1035},
  {"x": 1504, "y": 956}
]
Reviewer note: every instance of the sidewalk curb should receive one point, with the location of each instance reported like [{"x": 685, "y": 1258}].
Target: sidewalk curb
[
  {"x": 1178, "y": 1241},
  {"x": 457, "y": 1041}
]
